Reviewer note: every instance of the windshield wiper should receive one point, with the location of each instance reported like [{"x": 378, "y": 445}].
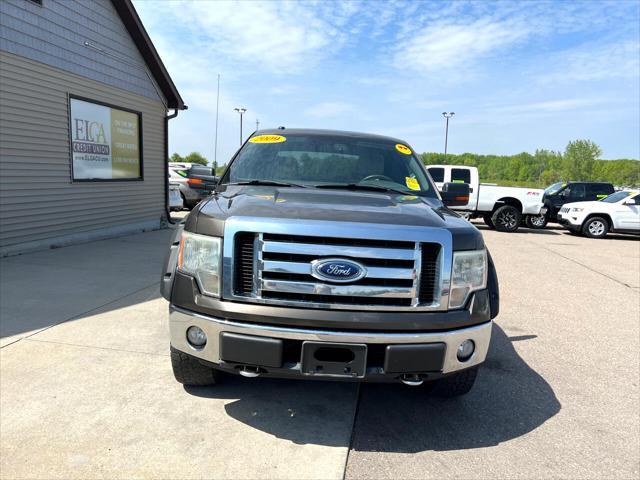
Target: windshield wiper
[
  {"x": 360, "y": 186},
  {"x": 266, "y": 183}
]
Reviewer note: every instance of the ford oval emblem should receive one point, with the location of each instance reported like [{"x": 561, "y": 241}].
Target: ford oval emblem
[{"x": 337, "y": 270}]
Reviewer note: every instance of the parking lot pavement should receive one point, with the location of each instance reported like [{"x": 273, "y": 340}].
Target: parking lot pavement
[
  {"x": 86, "y": 389},
  {"x": 558, "y": 396}
]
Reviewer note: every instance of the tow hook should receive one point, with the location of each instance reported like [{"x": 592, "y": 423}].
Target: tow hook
[
  {"x": 250, "y": 372},
  {"x": 412, "y": 380}
]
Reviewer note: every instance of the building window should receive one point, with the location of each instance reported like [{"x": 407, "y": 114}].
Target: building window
[{"x": 106, "y": 141}]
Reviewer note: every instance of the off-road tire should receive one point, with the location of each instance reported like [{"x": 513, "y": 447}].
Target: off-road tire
[
  {"x": 456, "y": 384},
  {"x": 595, "y": 227},
  {"x": 487, "y": 221},
  {"x": 190, "y": 371},
  {"x": 541, "y": 224},
  {"x": 506, "y": 218}
]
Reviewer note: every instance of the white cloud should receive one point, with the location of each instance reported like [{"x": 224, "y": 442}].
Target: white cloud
[
  {"x": 594, "y": 62},
  {"x": 329, "y": 109},
  {"x": 449, "y": 45},
  {"x": 268, "y": 35}
]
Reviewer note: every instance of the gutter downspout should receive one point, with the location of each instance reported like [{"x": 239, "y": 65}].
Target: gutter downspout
[{"x": 166, "y": 164}]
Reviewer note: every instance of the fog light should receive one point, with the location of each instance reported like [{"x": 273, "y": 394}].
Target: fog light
[
  {"x": 196, "y": 337},
  {"x": 465, "y": 350}
]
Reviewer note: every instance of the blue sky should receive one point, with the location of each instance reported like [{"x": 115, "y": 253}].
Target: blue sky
[{"x": 519, "y": 75}]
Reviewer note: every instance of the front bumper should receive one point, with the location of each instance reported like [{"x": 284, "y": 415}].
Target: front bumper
[
  {"x": 567, "y": 223},
  {"x": 292, "y": 338}
]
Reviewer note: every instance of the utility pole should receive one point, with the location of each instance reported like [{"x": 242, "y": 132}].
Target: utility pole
[
  {"x": 241, "y": 111},
  {"x": 446, "y": 115},
  {"x": 257, "y": 124},
  {"x": 215, "y": 148}
]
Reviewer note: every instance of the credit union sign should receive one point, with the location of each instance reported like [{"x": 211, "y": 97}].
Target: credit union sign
[{"x": 105, "y": 141}]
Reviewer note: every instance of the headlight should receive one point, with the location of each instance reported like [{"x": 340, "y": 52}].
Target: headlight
[
  {"x": 469, "y": 273},
  {"x": 199, "y": 257},
  {"x": 577, "y": 209}
]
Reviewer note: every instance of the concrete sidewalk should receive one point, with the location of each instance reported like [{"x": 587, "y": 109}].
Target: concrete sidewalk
[{"x": 87, "y": 389}]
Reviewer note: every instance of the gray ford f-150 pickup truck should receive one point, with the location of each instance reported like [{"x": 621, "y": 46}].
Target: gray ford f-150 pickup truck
[{"x": 326, "y": 254}]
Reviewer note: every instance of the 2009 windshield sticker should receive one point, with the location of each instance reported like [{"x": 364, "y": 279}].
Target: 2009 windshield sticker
[
  {"x": 268, "y": 139},
  {"x": 412, "y": 183},
  {"x": 403, "y": 149}
]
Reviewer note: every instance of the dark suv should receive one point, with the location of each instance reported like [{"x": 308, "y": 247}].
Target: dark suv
[{"x": 556, "y": 195}]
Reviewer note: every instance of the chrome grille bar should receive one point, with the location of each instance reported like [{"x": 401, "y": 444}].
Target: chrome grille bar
[
  {"x": 337, "y": 250},
  {"x": 309, "y": 288},
  {"x": 392, "y": 256},
  {"x": 305, "y": 269}
]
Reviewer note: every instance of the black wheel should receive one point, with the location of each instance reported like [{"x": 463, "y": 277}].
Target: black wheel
[
  {"x": 506, "y": 218},
  {"x": 595, "y": 227},
  {"x": 457, "y": 384},
  {"x": 537, "y": 222},
  {"x": 190, "y": 371},
  {"x": 487, "y": 221}
]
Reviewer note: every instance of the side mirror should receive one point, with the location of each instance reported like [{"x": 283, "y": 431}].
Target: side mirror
[{"x": 455, "y": 194}]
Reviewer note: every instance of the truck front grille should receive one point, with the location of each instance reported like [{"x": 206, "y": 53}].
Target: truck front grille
[{"x": 276, "y": 269}]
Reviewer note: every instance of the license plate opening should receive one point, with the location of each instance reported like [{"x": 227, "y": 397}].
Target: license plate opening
[{"x": 334, "y": 359}]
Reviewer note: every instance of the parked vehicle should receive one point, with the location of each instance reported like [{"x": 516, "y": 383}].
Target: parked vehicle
[
  {"x": 619, "y": 213},
  {"x": 558, "y": 194},
  {"x": 502, "y": 208},
  {"x": 175, "y": 199},
  {"x": 196, "y": 182},
  {"x": 330, "y": 255}
]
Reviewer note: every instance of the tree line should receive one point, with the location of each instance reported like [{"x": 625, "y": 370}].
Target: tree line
[{"x": 579, "y": 161}]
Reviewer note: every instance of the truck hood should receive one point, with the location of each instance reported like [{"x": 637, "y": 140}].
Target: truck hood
[{"x": 331, "y": 205}]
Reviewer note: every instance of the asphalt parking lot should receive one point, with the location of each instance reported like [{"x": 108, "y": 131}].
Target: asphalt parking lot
[{"x": 86, "y": 389}]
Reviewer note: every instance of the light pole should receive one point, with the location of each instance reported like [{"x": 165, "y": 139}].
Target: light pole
[
  {"x": 446, "y": 115},
  {"x": 241, "y": 112},
  {"x": 257, "y": 124}
]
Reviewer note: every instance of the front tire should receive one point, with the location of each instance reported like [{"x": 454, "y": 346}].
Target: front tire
[
  {"x": 190, "y": 371},
  {"x": 457, "y": 384},
  {"x": 536, "y": 222},
  {"x": 487, "y": 221},
  {"x": 595, "y": 227},
  {"x": 506, "y": 218}
]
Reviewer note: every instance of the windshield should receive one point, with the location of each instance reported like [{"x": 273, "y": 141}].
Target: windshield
[
  {"x": 555, "y": 188},
  {"x": 616, "y": 197},
  {"x": 325, "y": 160}
]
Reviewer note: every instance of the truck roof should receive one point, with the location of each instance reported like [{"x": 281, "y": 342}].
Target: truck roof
[{"x": 332, "y": 133}]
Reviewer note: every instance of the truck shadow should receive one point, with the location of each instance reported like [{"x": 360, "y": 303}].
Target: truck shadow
[
  {"x": 521, "y": 230},
  {"x": 509, "y": 400}
]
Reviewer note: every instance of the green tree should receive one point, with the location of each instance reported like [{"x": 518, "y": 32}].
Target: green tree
[
  {"x": 196, "y": 157},
  {"x": 579, "y": 159},
  {"x": 176, "y": 158}
]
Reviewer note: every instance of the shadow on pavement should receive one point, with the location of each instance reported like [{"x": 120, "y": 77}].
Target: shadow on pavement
[
  {"x": 509, "y": 400},
  {"x": 521, "y": 230},
  {"x": 304, "y": 412}
]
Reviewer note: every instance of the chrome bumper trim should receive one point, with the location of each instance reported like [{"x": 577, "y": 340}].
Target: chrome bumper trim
[{"x": 180, "y": 320}]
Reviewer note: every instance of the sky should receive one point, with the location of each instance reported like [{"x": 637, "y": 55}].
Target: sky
[{"x": 518, "y": 75}]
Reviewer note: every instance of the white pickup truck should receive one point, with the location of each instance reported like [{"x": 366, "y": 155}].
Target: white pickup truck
[{"x": 502, "y": 208}]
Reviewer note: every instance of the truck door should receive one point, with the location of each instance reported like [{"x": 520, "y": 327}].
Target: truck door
[
  {"x": 575, "y": 192},
  {"x": 598, "y": 191},
  {"x": 437, "y": 174},
  {"x": 464, "y": 175},
  {"x": 627, "y": 214}
]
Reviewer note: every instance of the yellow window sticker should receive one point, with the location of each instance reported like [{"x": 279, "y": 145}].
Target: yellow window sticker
[
  {"x": 268, "y": 139},
  {"x": 412, "y": 183},
  {"x": 403, "y": 149}
]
